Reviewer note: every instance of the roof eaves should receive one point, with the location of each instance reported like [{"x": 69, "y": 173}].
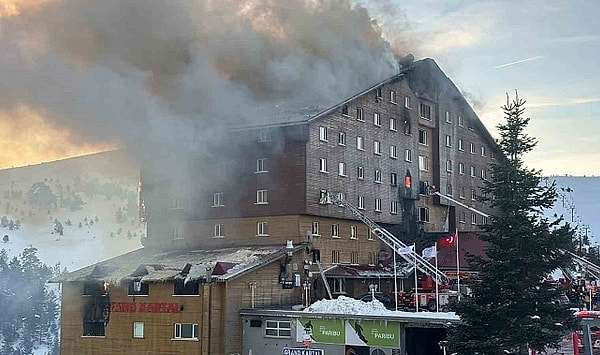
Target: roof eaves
[
  {"x": 266, "y": 261},
  {"x": 350, "y": 99}
]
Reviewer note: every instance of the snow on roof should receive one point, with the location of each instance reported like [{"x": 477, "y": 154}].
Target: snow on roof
[
  {"x": 186, "y": 265},
  {"x": 347, "y": 305}
]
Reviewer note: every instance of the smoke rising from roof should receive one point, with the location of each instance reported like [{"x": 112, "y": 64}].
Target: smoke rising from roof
[{"x": 149, "y": 74}]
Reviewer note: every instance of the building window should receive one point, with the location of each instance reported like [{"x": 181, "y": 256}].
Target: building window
[
  {"x": 460, "y": 121},
  {"x": 345, "y": 110},
  {"x": 323, "y": 165},
  {"x": 175, "y": 233},
  {"x": 484, "y": 174},
  {"x": 335, "y": 230},
  {"x": 393, "y": 152},
  {"x": 473, "y": 195},
  {"x": 263, "y": 136},
  {"x": 370, "y": 236},
  {"x": 359, "y": 114},
  {"x": 483, "y": 151},
  {"x": 261, "y": 165},
  {"x": 377, "y": 205},
  {"x": 448, "y": 141},
  {"x": 449, "y": 189},
  {"x": 377, "y": 119},
  {"x": 449, "y": 165},
  {"x": 472, "y": 146},
  {"x": 360, "y": 173},
  {"x": 323, "y": 133},
  {"x": 138, "y": 288},
  {"x": 342, "y": 138},
  {"x": 473, "y": 218},
  {"x": 425, "y": 111},
  {"x": 492, "y": 156},
  {"x": 354, "y": 257},
  {"x": 262, "y": 229},
  {"x": 422, "y": 137},
  {"x": 407, "y": 101},
  {"x": 461, "y": 217},
  {"x": 484, "y": 220},
  {"x": 393, "y": 179},
  {"x": 342, "y": 169},
  {"x": 315, "y": 228},
  {"x": 261, "y": 197},
  {"x": 448, "y": 117},
  {"x": 190, "y": 288},
  {"x": 392, "y": 96},
  {"x": 278, "y": 329},
  {"x": 94, "y": 329},
  {"x": 393, "y": 124},
  {"x": 472, "y": 171},
  {"x": 352, "y": 232},
  {"x": 186, "y": 331},
  {"x": 339, "y": 284},
  {"x": 460, "y": 145},
  {"x": 218, "y": 199},
  {"x": 361, "y": 203},
  {"x": 219, "y": 230},
  {"x": 423, "y": 214},
  {"x": 461, "y": 168},
  {"x": 379, "y": 92},
  {"x": 373, "y": 258},
  {"x": 408, "y": 155},
  {"x": 394, "y": 207},
  {"x": 423, "y": 163},
  {"x": 407, "y": 130},
  {"x": 138, "y": 329},
  {"x": 376, "y": 147},
  {"x": 360, "y": 143},
  {"x": 335, "y": 257},
  {"x": 377, "y": 177},
  {"x": 461, "y": 193}
]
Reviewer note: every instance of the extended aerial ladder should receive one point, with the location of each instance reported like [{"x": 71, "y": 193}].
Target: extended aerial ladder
[
  {"x": 386, "y": 237},
  {"x": 590, "y": 267}
]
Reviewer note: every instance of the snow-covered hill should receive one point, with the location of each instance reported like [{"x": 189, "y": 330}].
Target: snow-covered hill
[{"x": 104, "y": 225}]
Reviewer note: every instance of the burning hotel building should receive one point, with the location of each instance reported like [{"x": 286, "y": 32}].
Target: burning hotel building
[{"x": 266, "y": 235}]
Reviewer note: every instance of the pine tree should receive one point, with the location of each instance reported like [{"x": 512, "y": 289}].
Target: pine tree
[{"x": 511, "y": 307}]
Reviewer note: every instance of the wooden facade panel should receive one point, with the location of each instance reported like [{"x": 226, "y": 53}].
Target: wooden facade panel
[{"x": 158, "y": 327}]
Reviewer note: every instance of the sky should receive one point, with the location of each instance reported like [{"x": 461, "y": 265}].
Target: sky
[
  {"x": 75, "y": 83},
  {"x": 546, "y": 50}
]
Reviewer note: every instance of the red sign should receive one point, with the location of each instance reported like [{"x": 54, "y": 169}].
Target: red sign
[{"x": 156, "y": 307}]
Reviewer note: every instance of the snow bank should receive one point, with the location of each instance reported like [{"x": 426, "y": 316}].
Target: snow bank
[{"x": 347, "y": 305}]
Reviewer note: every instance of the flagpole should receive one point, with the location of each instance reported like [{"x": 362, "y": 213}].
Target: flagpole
[
  {"x": 457, "y": 266},
  {"x": 416, "y": 279},
  {"x": 395, "y": 279},
  {"x": 437, "y": 281}
]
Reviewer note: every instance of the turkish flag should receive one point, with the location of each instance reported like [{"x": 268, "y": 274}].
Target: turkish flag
[{"x": 448, "y": 241}]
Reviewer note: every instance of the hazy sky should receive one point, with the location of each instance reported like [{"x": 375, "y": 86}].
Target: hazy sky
[{"x": 546, "y": 49}]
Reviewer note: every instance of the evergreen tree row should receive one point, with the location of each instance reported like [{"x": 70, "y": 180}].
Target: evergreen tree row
[{"x": 30, "y": 307}]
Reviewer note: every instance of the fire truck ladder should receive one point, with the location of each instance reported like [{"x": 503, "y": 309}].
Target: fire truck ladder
[
  {"x": 590, "y": 267},
  {"x": 386, "y": 237}
]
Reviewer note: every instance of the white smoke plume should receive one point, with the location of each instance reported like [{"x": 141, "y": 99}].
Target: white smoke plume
[{"x": 163, "y": 73}]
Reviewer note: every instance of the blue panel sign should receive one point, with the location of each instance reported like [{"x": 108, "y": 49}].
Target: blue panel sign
[{"x": 302, "y": 351}]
